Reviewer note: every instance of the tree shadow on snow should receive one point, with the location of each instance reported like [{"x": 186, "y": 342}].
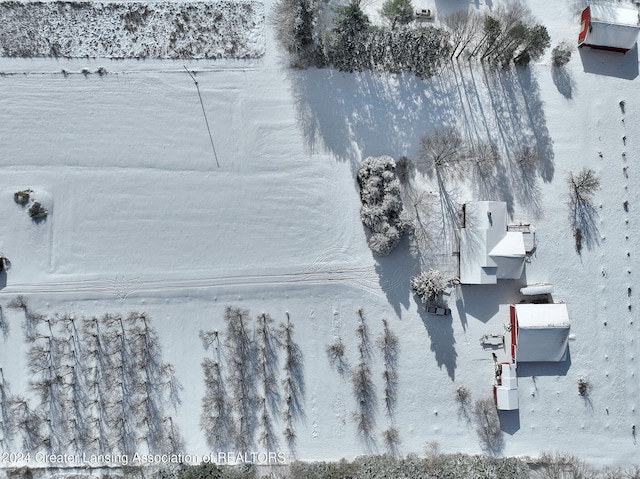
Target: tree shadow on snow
[
  {"x": 584, "y": 218},
  {"x": 395, "y": 272},
  {"x": 355, "y": 115},
  {"x": 440, "y": 331},
  {"x": 563, "y": 80}
]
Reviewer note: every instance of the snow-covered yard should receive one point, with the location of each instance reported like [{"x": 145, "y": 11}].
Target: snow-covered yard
[{"x": 141, "y": 218}]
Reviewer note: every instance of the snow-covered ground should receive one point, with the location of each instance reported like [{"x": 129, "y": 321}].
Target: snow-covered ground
[
  {"x": 142, "y": 218},
  {"x": 132, "y": 29}
]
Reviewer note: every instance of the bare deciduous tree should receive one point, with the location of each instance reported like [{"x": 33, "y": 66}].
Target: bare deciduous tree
[
  {"x": 389, "y": 347},
  {"x": 336, "y": 353},
  {"x": 391, "y": 437},
  {"x": 464, "y": 27},
  {"x": 240, "y": 347},
  {"x": 363, "y": 387},
  {"x": 441, "y": 152},
  {"x": 487, "y": 421},
  {"x": 485, "y": 157},
  {"x": 583, "y": 186},
  {"x": 293, "y": 384}
]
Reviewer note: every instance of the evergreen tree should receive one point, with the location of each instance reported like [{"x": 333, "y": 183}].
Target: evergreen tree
[{"x": 397, "y": 12}]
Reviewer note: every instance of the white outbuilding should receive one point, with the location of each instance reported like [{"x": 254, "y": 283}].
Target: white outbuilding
[
  {"x": 488, "y": 251},
  {"x": 539, "y": 332},
  {"x": 609, "y": 27},
  {"x": 506, "y": 389}
]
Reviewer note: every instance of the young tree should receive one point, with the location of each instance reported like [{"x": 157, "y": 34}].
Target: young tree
[
  {"x": 488, "y": 424},
  {"x": 363, "y": 386},
  {"x": 583, "y": 186},
  {"x": 336, "y": 353},
  {"x": 293, "y": 383},
  {"x": 397, "y": 12},
  {"x": 389, "y": 345},
  {"x": 241, "y": 351}
]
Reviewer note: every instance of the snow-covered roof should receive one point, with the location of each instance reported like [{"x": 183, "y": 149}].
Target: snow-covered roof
[
  {"x": 613, "y": 27},
  {"x": 610, "y": 14},
  {"x": 507, "y": 391},
  {"x": 487, "y": 251},
  {"x": 506, "y": 399},
  {"x": 543, "y": 332}
]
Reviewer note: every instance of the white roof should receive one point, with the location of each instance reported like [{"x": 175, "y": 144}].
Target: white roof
[
  {"x": 506, "y": 399},
  {"x": 543, "y": 332},
  {"x": 487, "y": 251},
  {"x": 507, "y": 391},
  {"x": 610, "y": 14},
  {"x": 613, "y": 27}
]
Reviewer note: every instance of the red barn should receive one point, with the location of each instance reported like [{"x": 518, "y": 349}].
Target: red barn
[{"x": 606, "y": 27}]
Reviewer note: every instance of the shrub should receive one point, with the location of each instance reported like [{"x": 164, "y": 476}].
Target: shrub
[
  {"x": 429, "y": 285},
  {"x": 37, "y": 211},
  {"x": 22, "y": 197},
  {"x": 583, "y": 387},
  {"x": 463, "y": 395},
  {"x": 561, "y": 54}
]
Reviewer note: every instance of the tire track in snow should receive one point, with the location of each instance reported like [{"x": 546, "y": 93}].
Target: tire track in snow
[{"x": 334, "y": 265}]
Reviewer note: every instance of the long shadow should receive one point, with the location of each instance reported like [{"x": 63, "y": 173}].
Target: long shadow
[
  {"x": 539, "y": 369},
  {"x": 611, "y": 64},
  {"x": 509, "y": 421},
  {"x": 395, "y": 272},
  {"x": 563, "y": 80},
  {"x": 440, "y": 331},
  {"x": 4, "y": 324},
  {"x": 482, "y": 302},
  {"x": 584, "y": 218},
  {"x": 355, "y": 115},
  {"x": 524, "y": 179},
  {"x": 534, "y": 108}
]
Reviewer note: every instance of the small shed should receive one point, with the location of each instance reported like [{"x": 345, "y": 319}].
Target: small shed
[
  {"x": 609, "y": 27},
  {"x": 506, "y": 389},
  {"x": 539, "y": 332}
]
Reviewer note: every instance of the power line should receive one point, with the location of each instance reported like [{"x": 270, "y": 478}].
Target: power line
[{"x": 205, "y": 115}]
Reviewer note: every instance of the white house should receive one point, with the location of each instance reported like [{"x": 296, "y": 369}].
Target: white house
[
  {"x": 609, "y": 27},
  {"x": 488, "y": 251},
  {"x": 539, "y": 332}
]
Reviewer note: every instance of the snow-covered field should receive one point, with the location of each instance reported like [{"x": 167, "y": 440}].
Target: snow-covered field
[
  {"x": 142, "y": 218},
  {"x": 132, "y": 29}
]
